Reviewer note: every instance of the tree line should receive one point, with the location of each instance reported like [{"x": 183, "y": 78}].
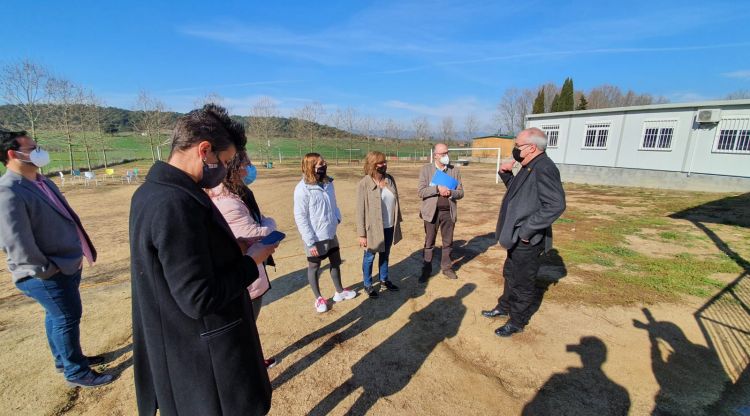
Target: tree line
[
  {"x": 38, "y": 100},
  {"x": 516, "y": 104}
]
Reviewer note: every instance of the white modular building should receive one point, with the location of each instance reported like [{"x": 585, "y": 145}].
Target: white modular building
[{"x": 702, "y": 146}]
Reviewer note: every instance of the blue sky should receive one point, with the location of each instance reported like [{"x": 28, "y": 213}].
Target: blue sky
[{"x": 397, "y": 59}]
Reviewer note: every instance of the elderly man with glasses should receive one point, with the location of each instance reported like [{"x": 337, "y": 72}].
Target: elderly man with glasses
[
  {"x": 533, "y": 201},
  {"x": 439, "y": 210}
]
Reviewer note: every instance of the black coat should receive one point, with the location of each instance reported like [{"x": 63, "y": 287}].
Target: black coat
[
  {"x": 534, "y": 200},
  {"x": 195, "y": 345}
]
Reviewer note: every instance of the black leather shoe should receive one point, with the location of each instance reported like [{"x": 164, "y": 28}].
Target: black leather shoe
[
  {"x": 371, "y": 292},
  {"x": 494, "y": 313},
  {"x": 390, "y": 286},
  {"x": 507, "y": 330}
]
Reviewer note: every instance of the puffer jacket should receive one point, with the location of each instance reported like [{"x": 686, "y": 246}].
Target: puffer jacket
[{"x": 315, "y": 211}]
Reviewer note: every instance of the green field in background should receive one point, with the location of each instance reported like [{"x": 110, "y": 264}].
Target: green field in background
[{"x": 132, "y": 146}]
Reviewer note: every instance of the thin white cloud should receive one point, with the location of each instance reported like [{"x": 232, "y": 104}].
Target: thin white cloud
[
  {"x": 552, "y": 53},
  {"x": 741, "y": 74}
]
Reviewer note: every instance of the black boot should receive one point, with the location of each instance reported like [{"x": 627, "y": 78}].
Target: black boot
[{"x": 426, "y": 272}]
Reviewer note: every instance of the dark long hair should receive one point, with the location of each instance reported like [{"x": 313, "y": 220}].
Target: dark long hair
[{"x": 234, "y": 182}]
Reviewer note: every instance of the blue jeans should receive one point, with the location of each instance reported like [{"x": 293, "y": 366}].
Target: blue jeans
[
  {"x": 369, "y": 258},
  {"x": 61, "y": 301}
]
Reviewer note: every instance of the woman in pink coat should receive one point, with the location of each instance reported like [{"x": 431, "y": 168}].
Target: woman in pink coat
[{"x": 237, "y": 204}]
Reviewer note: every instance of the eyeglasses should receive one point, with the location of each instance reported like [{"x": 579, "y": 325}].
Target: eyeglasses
[{"x": 520, "y": 146}]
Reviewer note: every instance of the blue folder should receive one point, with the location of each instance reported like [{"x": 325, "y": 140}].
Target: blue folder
[{"x": 443, "y": 179}]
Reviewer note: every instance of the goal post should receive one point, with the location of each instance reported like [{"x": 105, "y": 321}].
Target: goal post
[{"x": 495, "y": 154}]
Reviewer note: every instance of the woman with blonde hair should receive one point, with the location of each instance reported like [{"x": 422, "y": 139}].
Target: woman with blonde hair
[
  {"x": 378, "y": 219},
  {"x": 317, "y": 216}
]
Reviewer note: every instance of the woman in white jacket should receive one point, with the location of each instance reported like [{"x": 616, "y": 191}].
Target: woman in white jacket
[
  {"x": 317, "y": 216},
  {"x": 237, "y": 205}
]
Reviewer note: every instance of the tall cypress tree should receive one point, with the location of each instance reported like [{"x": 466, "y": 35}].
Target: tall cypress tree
[
  {"x": 567, "y": 97},
  {"x": 582, "y": 103},
  {"x": 555, "y": 107},
  {"x": 538, "y": 103}
]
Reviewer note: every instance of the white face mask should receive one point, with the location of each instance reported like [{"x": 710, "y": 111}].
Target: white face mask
[
  {"x": 37, "y": 157},
  {"x": 445, "y": 160}
]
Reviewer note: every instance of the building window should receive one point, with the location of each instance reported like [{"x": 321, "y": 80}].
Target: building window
[
  {"x": 553, "y": 133},
  {"x": 596, "y": 135},
  {"x": 733, "y": 135},
  {"x": 658, "y": 134}
]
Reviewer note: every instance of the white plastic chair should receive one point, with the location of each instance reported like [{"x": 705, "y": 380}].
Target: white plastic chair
[
  {"x": 129, "y": 176},
  {"x": 88, "y": 177}
]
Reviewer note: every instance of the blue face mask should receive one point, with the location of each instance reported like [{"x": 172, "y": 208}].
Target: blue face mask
[{"x": 251, "y": 174}]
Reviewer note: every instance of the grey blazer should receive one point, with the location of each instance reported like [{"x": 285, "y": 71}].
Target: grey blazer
[
  {"x": 429, "y": 194},
  {"x": 534, "y": 200},
  {"x": 37, "y": 237}
]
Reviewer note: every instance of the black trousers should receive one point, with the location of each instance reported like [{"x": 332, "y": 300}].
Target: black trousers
[{"x": 522, "y": 294}]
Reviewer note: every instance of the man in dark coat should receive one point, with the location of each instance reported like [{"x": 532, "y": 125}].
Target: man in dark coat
[
  {"x": 533, "y": 201},
  {"x": 195, "y": 345}
]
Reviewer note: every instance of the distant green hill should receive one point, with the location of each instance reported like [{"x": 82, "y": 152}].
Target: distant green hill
[{"x": 121, "y": 120}]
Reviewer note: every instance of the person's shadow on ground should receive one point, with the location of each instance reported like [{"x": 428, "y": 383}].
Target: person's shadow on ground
[
  {"x": 466, "y": 251},
  {"x": 358, "y": 320},
  {"x": 390, "y": 366},
  {"x": 690, "y": 375},
  {"x": 581, "y": 390}
]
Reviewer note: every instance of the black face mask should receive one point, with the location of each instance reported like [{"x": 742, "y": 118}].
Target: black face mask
[
  {"x": 320, "y": 172},
  {"x": 382, "y": 169},
  {"x": 212, "y": 175},
  {"x": 517, "y": 155}
]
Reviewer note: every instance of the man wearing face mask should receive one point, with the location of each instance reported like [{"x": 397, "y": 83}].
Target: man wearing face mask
[
  {"x": 196, "y": 349},
  {"x": 439, "y": 211},
  {"x": 46, "y": 244},
  {"x": 533, "y": 201}
]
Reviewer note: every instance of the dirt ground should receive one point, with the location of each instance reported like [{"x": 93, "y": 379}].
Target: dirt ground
[{"x": 423, "y": 350}]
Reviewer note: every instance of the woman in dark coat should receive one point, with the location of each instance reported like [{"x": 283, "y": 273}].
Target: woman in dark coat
[{"x": 195, "y": 345}]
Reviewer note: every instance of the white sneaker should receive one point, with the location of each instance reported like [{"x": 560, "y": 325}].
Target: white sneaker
[
  {"x": 344, "y": 295},
  {"x": 321, "y": 305}
]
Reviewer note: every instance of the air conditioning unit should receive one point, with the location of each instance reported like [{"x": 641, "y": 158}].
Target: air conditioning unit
[{"x": 709, "y": 116}]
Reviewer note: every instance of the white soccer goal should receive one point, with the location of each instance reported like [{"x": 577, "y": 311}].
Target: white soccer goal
[{"x": 464, "y": 156}]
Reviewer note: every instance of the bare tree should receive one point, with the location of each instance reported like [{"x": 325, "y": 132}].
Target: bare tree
[
  {"x": 67, "y": 100},
  {"x": 738, "y": 95},
  {"x": 513, "y": 108},
  {"x": 447, "y": 133},
  {"x": 421, "y": 128},
  {"x": 366, "y": 127},
  {"x": 550, "y": 90},
  {"x": 24, "y": 86},
  {"x": 392, "y": 130},
  {"x": 605, "y": 96},
  {"x": 310, "y": 114},
  {"x": 95, "y": 118},
  {"x": 210, "y": 98},
  {"x": 149, "y": 120},
  {"x": 348, "y": 119},
  {"x": 471, "y": 126},
  {"x": 335, "y": 119},
  {"x": 264, "y": 124}
]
